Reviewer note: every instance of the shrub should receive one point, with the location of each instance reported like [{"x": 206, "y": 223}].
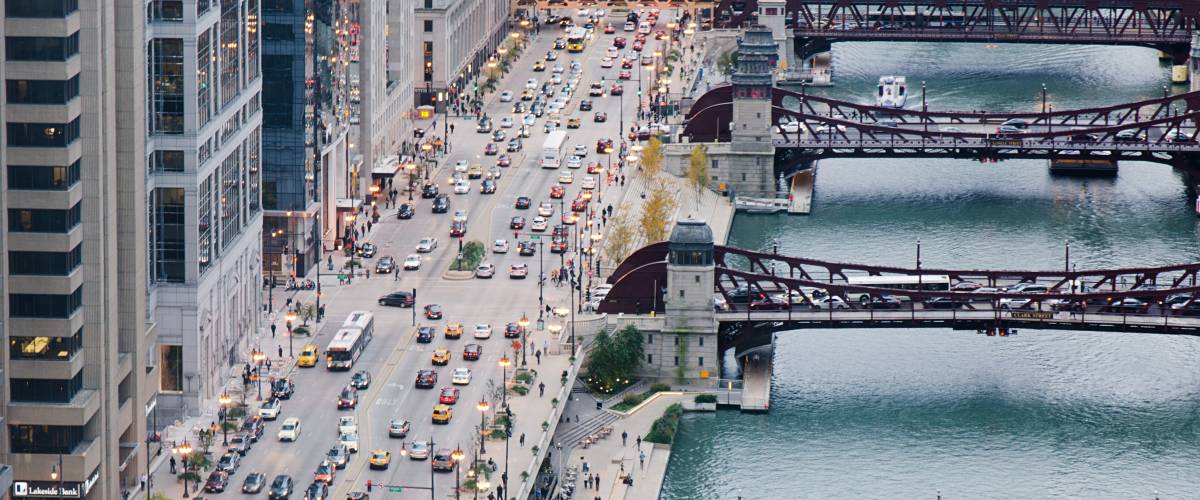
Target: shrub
[
  {"x": 520, "y": 390},
  {"x": 663, "y": 429},
  {"x": 659, "y": 388},
  {"x": 633, "y": 399},
  {"x": 706, "y": 398},
  {"x": 525, "y": 377},
  {"x": 498, "y": 434}
]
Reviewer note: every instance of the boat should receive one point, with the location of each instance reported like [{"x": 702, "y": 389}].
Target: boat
[
  {"x": 893, "y": 92},
  {"x": 760, "y": 205}
]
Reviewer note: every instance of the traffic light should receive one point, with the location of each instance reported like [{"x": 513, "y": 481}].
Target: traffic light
[{"x": 368, "y": 486}]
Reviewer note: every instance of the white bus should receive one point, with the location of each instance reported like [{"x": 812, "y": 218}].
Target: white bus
[
  {"x": 925, "y": 282},
  {"x": 350, "y": 341},
  {"x": 554, "y": 149}
]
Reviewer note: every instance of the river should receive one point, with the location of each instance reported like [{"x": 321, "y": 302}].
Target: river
[{"x": 894, "y": 413}]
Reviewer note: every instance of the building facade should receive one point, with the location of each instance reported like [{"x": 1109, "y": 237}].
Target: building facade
[
  {"x": 203, "y": 158},
  {"x": 455, "y": 38},
  {"x": 80, "y": 367}
]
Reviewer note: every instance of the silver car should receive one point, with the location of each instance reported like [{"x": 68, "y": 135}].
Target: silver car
[
  {"x": 338, "y": 456},
  {"x": 485, "y": 270},
  {"x": 419, "y": 450},
  {"x": 398, "y": 428}
]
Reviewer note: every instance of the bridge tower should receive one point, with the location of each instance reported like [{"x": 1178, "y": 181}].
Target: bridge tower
[
  {"x": 773, "y": 15},
  {"x": 687, "y": 347},
  {"x": 752, "y": 154}
]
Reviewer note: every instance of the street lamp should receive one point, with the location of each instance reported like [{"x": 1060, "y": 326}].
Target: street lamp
[
  {"x": 291, "y": 316},
  {"x": 524, "y": 324},
  {"x": 258, "y": 356},
  {"x": 457, "y": 456},
  {"x": 483, "y": 407},
  {"x": 185, "y": 452},
  {"x": 56, "y": 474},
  {"x": 224, "y": 400},
  {"x": 504, "y": 362}
]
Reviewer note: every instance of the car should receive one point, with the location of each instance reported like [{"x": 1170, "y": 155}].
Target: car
[
  {"x": 254, "y": 483},
  {"x": 453, "y": 330},
  {"x": 506, "y": 122},
  {"x": 386, "y": 264},
  {"x": 627, "y": 63},
  {"x": 281, "y": 487},
  {"x": 338, "y": 456},
  {"x": 380, "y": 459},
  {"x": 485, "y": 270},
  {"x": 558, "y": 68},
  {"x": 491, "y": 149},
  {"x": 462, "y": 187},
  {"x": 579, "y": 204},
  {"x": 943, "y": 303},
  {"x": 229, "y": 462},
  {"x": 458, "y": 229},
  {"x": 483, "y": 331},
  {"x": 308, "y": 357},
  {"x": 560, "y": 43},
  {"x": 425, "y": 334},
  {"x": 527, "y": 95},
  {"x": 406, "y": 211},
  {"x": 318, "y": 490},
  {"x": 588, "y": 182},
  {"x": 539, "y": 224},
  {"x": 539, "y": 66},
  {"x": 606, "y": 62},
  {"x": 350, "y": 441},
  {"x": 556, "y": 79},
  {"x": 290, "y": 430},
  {"x": 566, "y": 177},
  {"x": 367, "y": 250},
  {"x": 270, "y": 409},
  {"x": 471, "y": 352},
  {"x": 573, "y": 122},
  {"x": 585, "y": 105},
  {"x": 488, "y": 186},
  {"x": 441, "y": 415},
  {"x": 574, "y": 162},
  {"x": 638, "y": 45},
  {"x": 513, "y": 331},
  {"x": 412, "y": 262},
  {"x": 483, "y": 126},
  {"x": 441, "y": 204},
  {"x": 433, "y": 311},
  {"x": 1130, "y": 135},
  {"x": 503, "y": 161},
  {"x": 460, "y": 216},
  {"x": 609, "y": 29},
  {"x": 398, "y": 299},
  {"x": 240, "y": 443},
  {"x": 1127, "y": 305},
  {"x": 594, "y": 168},
  {"x": 500, "y": 246},
  {"x": 522, "y": 203},
  {"x": 624, "y": 75},
  {"x": 600, "y": 117},
  {"x": 361, "y": 380},
  {"x": 551, "y": 55},
  {"x": 618, "y": 42},
  {"x": 398, "y": 428},
  {"x": 498, "y": 136},
  {"x": 526, "y": 249},
  {"x": 461, "y": 166},
  {"x": 558, "y": 245},
  {"x": 557, "y": 191},
  {"x": 283, "y": 389},
  {"x": 830, "y": 302},
  {"x": 616, "y": 89},
  {"x": 448, "y": 396},
  {"x": 545, "y": 209},
  {"x": 475, "y": 171},
  {"x": 884, "y": 302},
  {"x": 441, "y": 356},
  {"x": 217, "y": 481},
  {"x": 429, "y": 191},
  {"x": 426, "y": 379},
  {"x": 347, "y": 399},
  {"x": 532, "y": 84},
  {"x": 443, "y": 460},
  {"x": 518, "y": 271},
  {"x": 462, "y": 376}
]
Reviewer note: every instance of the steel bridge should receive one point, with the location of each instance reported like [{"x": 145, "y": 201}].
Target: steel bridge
[
  {"x": 1161, "y": 130},
  {"x": 1162, "y": 24},
  {"x": 767, "y": 292}
]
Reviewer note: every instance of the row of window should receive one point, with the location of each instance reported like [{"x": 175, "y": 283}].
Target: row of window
[
  {"x": 45, "y": 305},
  {"x": 45, "y": 390},
  {"x": 165, "y": 11},
  {"x": 41, "y": 48},
  {"x": 29, "y": 438},
  {"x": 166, "y": 160},
  {"x": 40, "y": 8},
  {"x": 40, "y": 178},
  {"x": 45, "y": 348},
  {"x": 650, "y": 359},
  {"x": 165, "y": 86},
  {"x": 43, "y": 135},
  {"x": 43, "y": 220},
  {"x": 42, "y": 91},
  {"x": 45, "y": 263}
]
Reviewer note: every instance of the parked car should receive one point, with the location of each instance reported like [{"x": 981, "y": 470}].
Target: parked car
[{"x": 217, "y": 481}]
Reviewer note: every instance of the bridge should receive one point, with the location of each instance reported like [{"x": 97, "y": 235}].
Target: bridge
[{"x": 1166, "y": 25}]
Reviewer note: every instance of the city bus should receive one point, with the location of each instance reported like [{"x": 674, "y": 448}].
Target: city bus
[
  {"x": 576, "y": 39},
  {"x": 925, "y": 282},
  {"x": 554, "y": 149},
  {"x": 350, "y": 341}
]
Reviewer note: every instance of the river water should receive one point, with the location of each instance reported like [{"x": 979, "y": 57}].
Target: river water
[{"x": 896, "y": 414}]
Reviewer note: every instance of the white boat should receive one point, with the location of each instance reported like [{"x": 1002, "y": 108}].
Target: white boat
[
  {"x": 760, "y": 205},
  {"x": 892, "y": 93}
]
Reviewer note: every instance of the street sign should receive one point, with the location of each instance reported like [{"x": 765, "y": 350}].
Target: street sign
[
  {"x": 535, "y": 237},
  {"x": 394, "y": 489}
]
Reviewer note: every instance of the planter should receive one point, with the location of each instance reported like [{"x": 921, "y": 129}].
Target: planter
[{"x": 693, "y": 406}]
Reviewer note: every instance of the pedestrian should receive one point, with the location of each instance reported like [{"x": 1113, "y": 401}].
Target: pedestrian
[
  {"x": 273, "y": 326},
  {"x": 451, "y": 128},
  {"x": 368, "y": 271},
  {"x": 143, "y": 481},
  {"x": 268, "y": 364},
  {"x": 622, "y": 180},
  {"x": 639, "y": 441},
  {"x": 541, "y": 389},
  {"x": 596, "y": 481},
  {"x": 642, "y": 459},
  {"x": 280, "y": 351},
  {"x": 538, "y": 354},
  {"x": 624, "y": 437},
  {"x": 587, "y": 482},
  {"x": 395, "y": 276},
  {"x": 577, "y": 418},
  {"x": 522, "y": 440},
  {"x": 172, "y": 465}
]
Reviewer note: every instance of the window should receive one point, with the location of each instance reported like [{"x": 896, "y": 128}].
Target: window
[
  {"x": 45, "y": 263},
  {"x": 43, "y": 135},
  {"x": 203, "y": 79},
  {"x": 428, "y": 4},
  {"x": 231, "y": 29},
  {"x": 165, "y": 76},
  {"x": 38, "y": 305},
  {"x": 279, "y": 110},
  {"x": 40, "y": 8},
  {"x": 701, "y": 361},
  {"x": 45, "y": 348},
  {"x": 681, "y": 293},
  {"x": 649, "y": 358},
  {"x": 252, "y": 69},
  {"x": 676, "y": 360},
  {"x": 428, "y": 26},
  {"x": 204, "y": 217},
  {"x": 701, "y": 341},
  {"x": 697, "y": 278},
  {"x": 43, "y": 220},
  {"x": 45, "y": 390},
  {"x": 166, "y": 161},
  {"x": 38, "y": 178},
  {"x": 168, "y": 235},
  {"x": 29, "y": 438},
  {"x": 170, "y": 358},
  {"x": 715, "y": 165},
  {"x": 165, "y": 10},
  {"x": 202, "y": 6},
  {"x": 276, "y": 32},
  {"x": 649, "y": 338},
  {"x": 41, "y": 48},
  {"x": 676, "y": 340},
  {"x": 282, "y": 6},
  {"x": 231, "y": 201},
  {"x": 42, "y": 91}
]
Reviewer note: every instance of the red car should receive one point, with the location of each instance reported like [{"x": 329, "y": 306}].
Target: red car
[
  {"x": 471, "y": 352},
  {"x": 624, "y": 75},
  {"x": 637, "y": 46},
  {"x": 513, "y": 331},
  {"x": 639, "y": 38},
  {"x": 593, "y": 168},
  {"x": 503, "y": 161},
  {"x": 523, "y": 202},
  {"x": 660, "y": 35},
  {"x": 559, "y": 231},
  {"x": 619, "y": 42},
  {"x": 448, "y": 396},
  {"x": 557, "y": 191},
  {"x": 626, "y": 63},
  {"x": 616, "y": 90},
  {"x": 557, "y": 245},
  {"x": 517, "y": 222},
  {"x": 433, "y": 311},
  {"x": 579, "y": 205},
  {"x": 457, "y": 229},
  {"x": 609, "y": 29},
  {"x": 490, "y": 149},
  {"x": 602, "y": 144}
]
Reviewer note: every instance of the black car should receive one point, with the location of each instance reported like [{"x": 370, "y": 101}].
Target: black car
[
  {"x": 425, "y": 334},
  {"x": 367, "y": 250},
  {"x": 769, "y": 303},
  {"x": 943, "y": 303},
  {"x": 281, "y": 487},
  {"x": 217, "y": 481},
  {"x": 426, "y": 379},
  {"x": 441, "y": 204},
  {"x": 283, "y": 388},
  {"x": 318, "y": 490},
  {"x": 254, "y": 482},
  {"x": 585, "y": 105},
  {"x": 471, "y": 352},
  {"x": 517, "y": 222},
  {"x": 488, "y": 187},
  {"x": 883, "y": 302},
  {"x": 1188, "y": 309},
  {"x": 361, "y": 380},
  {"x": 433, "y": 311},
  {"x": 527, "y": 248},
  {"x": 514, "y": 145},
  {"x": 406, "y": 211},
  {"x": 523, "y": 202},
  {"x": 429, "y": 191},
  {"x": 513, "y": 331},
  {"x": 1128, "y": 305},
  {"x": 386, "y": 264},
  {"x": 397, "y": 299}
]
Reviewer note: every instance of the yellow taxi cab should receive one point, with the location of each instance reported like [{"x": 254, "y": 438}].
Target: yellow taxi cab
[
  {"x": 475, "y": 171},
  {"x": 441, "y": 356},
  {"x": 454, "y": 330},
  {"x": 308, "y": 356},
  {"x": 539, "y": 66},
  {"x": 380, "y": 459},
  {"x": 573, "y": 123},
  {"x": 442, "y": 414}
]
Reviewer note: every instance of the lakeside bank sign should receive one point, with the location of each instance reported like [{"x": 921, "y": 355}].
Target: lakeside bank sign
[{"x": 50, "y": 489}]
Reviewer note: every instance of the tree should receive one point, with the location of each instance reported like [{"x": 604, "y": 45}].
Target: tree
[
  {"x": 622, "y": 233},
  {"x": 307, "y": 312},
  {"x": 660, "y": 204},
  {"x": 697, "y": 171},
  {"x": 652, "y": 158},
  {"x": 727, "y": 62},
  {"x": 614, "y": 358}
]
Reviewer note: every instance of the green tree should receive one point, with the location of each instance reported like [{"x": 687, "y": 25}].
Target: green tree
[
  {"x": 652, "y": 157},
  {"x": 727, "y": 62},
  {"x": 307, "y": 312},
  {"x": 657, "y": 210},
  {"x": 697, "y": 171},
  {"x": 622, "y": 233},
  {"x": 614, "y": 358}
]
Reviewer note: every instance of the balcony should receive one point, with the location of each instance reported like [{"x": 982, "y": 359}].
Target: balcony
[
  {"x": 77, "y": 465},
  {"x": 46, "y": 368},
  {"x": 77, "y": 412}
]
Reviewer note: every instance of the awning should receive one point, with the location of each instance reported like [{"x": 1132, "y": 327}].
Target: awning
[
  {"x": 348, "y": 204},
  {"x": 387, "y": 165}
]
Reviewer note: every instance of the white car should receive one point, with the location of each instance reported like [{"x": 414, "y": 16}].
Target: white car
[
  {"x": 1015, "y": 302},
  {"x": 531, "y": 84},
  {"x": 556, "y": 79},
  {"x": 506, "y": 96},
  {"x": 791, "y": 126},
  {"x": 506, "y": 122},
  {"x": 419, "y": 450},
  {"x": 427, "y": 244},
  {"x": 831, "y": 302},
  {"x": 347, "y": 424},
  {"x": 483, "y": 331},
  {"x": 350, "y": 441},
  {"x": 581, "y": 150},
  {"x": 631, "y": 54},
  {"x": 485, "y": 270},
  {"x": 612, "y": 52},
  {"x": 588, "y": 182},
  {"x": 607, "y": 62},
  {"x": 558, "y": 68},
  {"x": 500, "y": 246},
  {"x": 518, "y": 271},
  {"x": 582, "y": 12},
  {"x": 529, "y": 119},
  {"x": 461, "y": 166},
  {"x": 460, "y": 216},
  {"x": 412, "y": 262},
  {"x": 546, "y": 209},
  {"x": 826, "y": 129},
  {"x": 574, "y": 162},
  {"x": 629, "y": 26},
  {"x": 269, "y": 410},
  {"x": 538, "y": 224},
  {"x": 290, "y": 431},
  {"x": 462, "y": 376},
  {"x": 566, "y": 177},
  {"x": 462, "y": 187}
]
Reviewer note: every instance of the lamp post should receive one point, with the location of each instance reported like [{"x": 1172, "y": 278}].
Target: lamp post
[
  {"x": 483, "y": 407},
  {"x": 56, "y": 474},
  {"x": 504, "y": 362},
  {"x": 291, "y": 316},
  {"x": 224, "y": 400},
  {"x": 457, "y": 456},
  {"x": 411, "y": 168},
  {"x": 524, "y": 324},
  {"x": 185, "y": 452},
  {"x": 595, "y": 260},
  {"x": 258, "y": 356}
]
